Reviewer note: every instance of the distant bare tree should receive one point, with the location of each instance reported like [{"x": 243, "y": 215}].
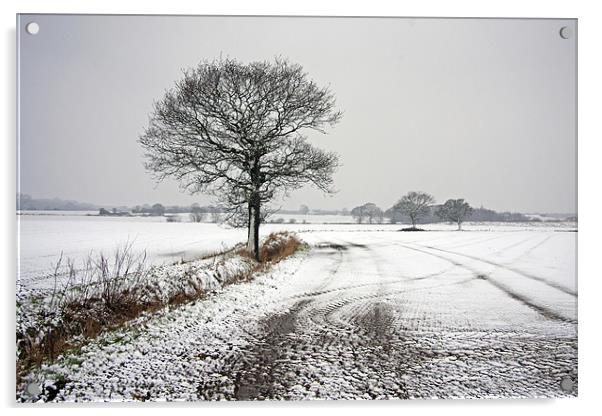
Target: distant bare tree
[
  {"x": 414, "y": 205},
  {"x": 196, "y": 213},
  {"x": 374, "y": 213},
  {"x": 358, "y": 214},
  {"x": 234, "y": 130},
  {"x": 368, "y": 211},
  {"x": 378, "y": 216},
  {"x": 216, "y": 217},
  {"x": 158, "y": 210},
  {"x": 394, "y": 215},
  {"x": 303, "y": 210},
  {"x": 214, "y": 214},
  {"x": 455, "y": 210}
]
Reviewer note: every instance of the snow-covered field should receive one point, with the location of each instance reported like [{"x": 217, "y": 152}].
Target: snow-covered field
[
  {"x": 368, "y": 312},
  {"x": 43, "y": 236}
]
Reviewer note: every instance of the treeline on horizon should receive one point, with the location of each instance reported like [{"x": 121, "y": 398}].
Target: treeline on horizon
[{"x": 27, "y": 203}]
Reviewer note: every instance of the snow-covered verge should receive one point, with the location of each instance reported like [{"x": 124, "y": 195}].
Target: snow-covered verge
[
  {"x": 184, "y": 345},
  {"x": 97, "y": 298}
]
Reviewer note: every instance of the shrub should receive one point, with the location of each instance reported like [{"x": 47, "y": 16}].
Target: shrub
[
  {"x": 277, "y": 246},
  {"x": 411, "y": 229},
  {"x": 197, "y": 216},
  {"x": 99, "y": 294}
]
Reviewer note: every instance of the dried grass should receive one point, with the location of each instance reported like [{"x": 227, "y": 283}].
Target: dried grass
[{"x": 101, "y": 296}]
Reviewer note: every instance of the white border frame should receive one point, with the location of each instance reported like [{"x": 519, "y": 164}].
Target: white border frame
[{"x": 590, "y": 200}]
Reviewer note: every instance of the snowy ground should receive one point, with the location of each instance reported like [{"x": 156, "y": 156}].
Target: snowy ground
[
  {"x": 44, "y": 235},
  {"x": 363, "y": 314}
]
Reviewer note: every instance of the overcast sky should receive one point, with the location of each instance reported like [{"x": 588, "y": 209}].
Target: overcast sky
[{"x": 477, "y": 109}]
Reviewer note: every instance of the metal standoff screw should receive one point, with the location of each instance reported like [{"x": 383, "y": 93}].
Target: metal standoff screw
[{"x": 567, "y": 384}]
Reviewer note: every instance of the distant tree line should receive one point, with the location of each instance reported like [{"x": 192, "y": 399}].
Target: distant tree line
[
  {"x": 27, "y": 203},
  {"x": 172, "y": 213},
  {"x": 413, "y": 208},
  {"x": 420, "y": 208},
  {"x": 197, "y": 213},
  {"x": 113, "y": 213},
  {"x": 305, "y": 210}
]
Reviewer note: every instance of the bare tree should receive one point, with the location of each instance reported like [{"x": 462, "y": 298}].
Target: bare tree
[
  {"x": 394, "y": 215},
  {"x": 358, "y": 214},
  {"x": 158, "y": 210},
  {"x": 197, "y": 216},
  {"x": 455, "y": 210},
  {"x": 414, "y": 205},
  {"x": 235, "y": 131},
  {"x": 373, "y": 213},
  {"x": 369, "y": 211},
  {"x": 215, "y": 214},
  {"x": 376, "y": 215},
  {"x": 196, "y": 213}
]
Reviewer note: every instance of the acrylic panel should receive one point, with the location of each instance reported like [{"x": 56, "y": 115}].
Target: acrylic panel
[{"x": 268, "y": 208}]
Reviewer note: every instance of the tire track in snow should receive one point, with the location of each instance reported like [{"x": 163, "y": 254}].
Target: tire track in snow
[
  {"x": 386, "y": 282},
  {"x": 511, "y": 269},
  {"x": 322, "y": 322},
  {"x": 511, "y": 246},
  {"x": 350, "y": 342},
  {"x": 542, "y": 310},
  {"x": 535, "y": 247},
  {"x": 478, "y": 240}
]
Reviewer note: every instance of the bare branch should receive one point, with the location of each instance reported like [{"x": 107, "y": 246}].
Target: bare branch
[{"x": 235, "y": 131}]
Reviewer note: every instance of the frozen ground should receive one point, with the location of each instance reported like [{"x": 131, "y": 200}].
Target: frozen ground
[
  {"x": 363, "y": 314},
  {"x": 43, "y": 235}
]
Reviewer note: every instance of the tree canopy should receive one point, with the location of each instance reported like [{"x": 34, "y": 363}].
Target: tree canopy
[
  {"x": 235, "y": 131},
  {"x": 368, "y": 211},
  {"x": 415, "y": 205},
  {"x": 455, "y": 210}
]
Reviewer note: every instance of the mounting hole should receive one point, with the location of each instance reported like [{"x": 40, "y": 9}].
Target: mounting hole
[
  {"x": 32, "y": 28},
  {"x": 567, "y": 384},
  {"x": 565, "y": 32},
  {"x": 34, "y": 389}
]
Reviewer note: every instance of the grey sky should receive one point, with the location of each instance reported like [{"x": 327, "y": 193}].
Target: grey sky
[{"x": 479, "y": 109}]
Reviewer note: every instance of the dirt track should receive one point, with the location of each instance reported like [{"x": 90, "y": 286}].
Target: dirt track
[{"x": 360, "y": 327}]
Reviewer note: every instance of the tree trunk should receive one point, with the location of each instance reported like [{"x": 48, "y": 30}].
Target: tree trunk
[
  {"x": 254, "y": 207},
  {"x": 250, "y": 227},
  {"x": 459, "y": 226},
  {"x": 254, "y": 220}
]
